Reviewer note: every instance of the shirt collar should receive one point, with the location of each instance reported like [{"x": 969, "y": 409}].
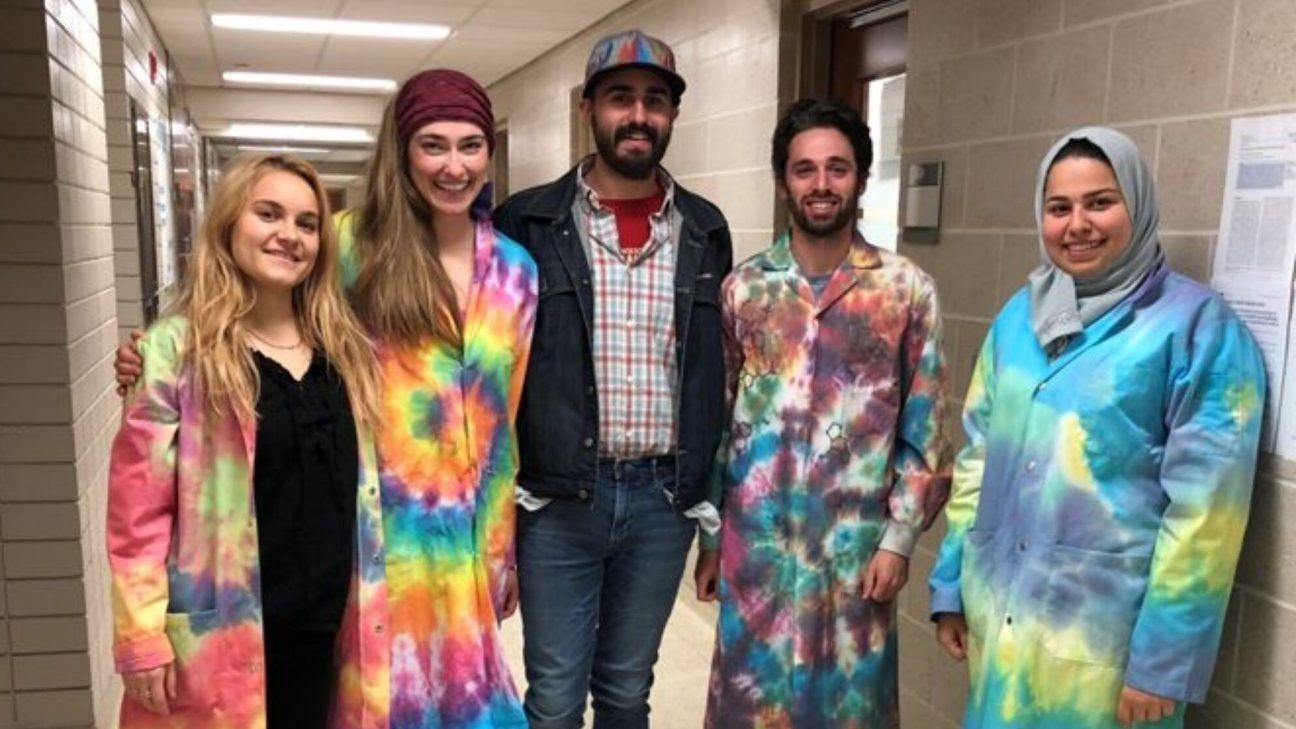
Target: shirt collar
[{"x": 862, "y": 255}]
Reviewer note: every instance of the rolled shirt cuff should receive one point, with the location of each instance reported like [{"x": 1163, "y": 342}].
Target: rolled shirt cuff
[{"x": 899, "y": 538}]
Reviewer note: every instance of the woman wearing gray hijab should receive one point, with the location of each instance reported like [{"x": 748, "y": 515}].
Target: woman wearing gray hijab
[{"x": 1099, "y": 504}]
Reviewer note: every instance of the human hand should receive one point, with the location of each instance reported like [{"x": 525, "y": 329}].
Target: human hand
[
  {"x": 706, "y": 575},
  {"x": 887, "y": 573},
  {"x": 1140, "y": 707},
  {"x": 952, "y": 635},
  {"x": 152, "y": 688},
  {"x": 128, "y": 364},
  {"x": 511, "y": 592}
]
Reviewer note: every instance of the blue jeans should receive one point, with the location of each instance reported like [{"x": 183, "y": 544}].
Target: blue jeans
[{"x": 598, "y": 582}]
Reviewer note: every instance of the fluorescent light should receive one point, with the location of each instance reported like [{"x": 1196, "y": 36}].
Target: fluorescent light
[
  {"x": 300, "y": 79},
  {"x": 284, "y": 148},
  {"x": 338, "y": 179},
  {"x": 330, "y": 26},
  {"x": 298, "y": 133}
]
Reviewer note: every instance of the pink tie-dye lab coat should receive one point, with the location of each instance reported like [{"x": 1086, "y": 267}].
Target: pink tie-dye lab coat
[{"x": 182, "y": 549}]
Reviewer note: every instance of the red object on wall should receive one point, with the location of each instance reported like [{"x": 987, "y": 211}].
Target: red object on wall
[{"x": 152, "y": 67}]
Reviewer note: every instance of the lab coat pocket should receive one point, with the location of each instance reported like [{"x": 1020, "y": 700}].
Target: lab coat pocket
[
  {"x": 196, "y": 640},
  {"x": 1093, "y": 599}
]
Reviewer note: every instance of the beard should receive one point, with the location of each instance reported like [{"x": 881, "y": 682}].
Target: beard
[
  {"x": 636, "y": 166},
  {"x": 819, "y": 227}
]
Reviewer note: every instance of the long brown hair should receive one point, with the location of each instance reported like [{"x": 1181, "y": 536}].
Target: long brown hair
[
  {"x": 217, "y": 295},
  {"x": 402, "y": 292}
]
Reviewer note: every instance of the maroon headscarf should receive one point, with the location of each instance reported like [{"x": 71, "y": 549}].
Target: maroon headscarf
[{"x": 443, "y": 95}]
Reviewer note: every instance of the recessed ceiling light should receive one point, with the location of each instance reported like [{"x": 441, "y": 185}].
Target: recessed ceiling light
[
  {"x": 297, "y": 132},
  {"x": 330, "y": 26},
  {"x": 282, "y": 148},
  {"x": 317, "y": 82}
]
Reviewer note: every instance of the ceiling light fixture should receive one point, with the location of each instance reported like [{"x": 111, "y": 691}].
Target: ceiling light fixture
[
  {"x": 330, "y": 26},
  {"x": 298, "y": 133},
  {"x": 282, "y": 148},
  {"x": 351, "y": 83}
]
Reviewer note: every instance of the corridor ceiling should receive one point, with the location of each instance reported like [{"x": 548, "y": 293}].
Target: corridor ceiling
[{"x": 489, "y": 39}]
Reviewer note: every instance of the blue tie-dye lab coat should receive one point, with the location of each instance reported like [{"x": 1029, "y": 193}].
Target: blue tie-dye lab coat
[{"x": 1099, "y": 506}]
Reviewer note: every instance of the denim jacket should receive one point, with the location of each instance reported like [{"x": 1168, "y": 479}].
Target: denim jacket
[{"x": 558, "y": 421}]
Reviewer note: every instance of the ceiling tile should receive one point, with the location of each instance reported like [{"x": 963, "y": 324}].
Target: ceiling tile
[
  {"x": 568, "y": 20},
  {"x": 498, "y": 35},
  {"x": 403, "y": 11},
  {"x": 360, "y": 57},
  {"x": 305, "y": 8},
  {"x": 237, "y": 49}
]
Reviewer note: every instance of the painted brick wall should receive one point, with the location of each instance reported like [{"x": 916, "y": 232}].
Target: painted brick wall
[{"x": 57, "y": 329}]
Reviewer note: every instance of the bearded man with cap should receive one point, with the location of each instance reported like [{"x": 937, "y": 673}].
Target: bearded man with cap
[{"x": 623, "y": 405}]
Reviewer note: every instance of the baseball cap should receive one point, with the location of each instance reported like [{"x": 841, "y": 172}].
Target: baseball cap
[{"x": 632, "y": 49}]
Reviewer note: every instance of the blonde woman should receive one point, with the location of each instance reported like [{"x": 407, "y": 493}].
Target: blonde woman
[
  {"x": 451, "y": 305},
  {"x": 244, "y": 525}
]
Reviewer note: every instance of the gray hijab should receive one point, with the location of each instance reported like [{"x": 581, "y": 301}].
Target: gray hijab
[{"x": 1062, "y": 306}]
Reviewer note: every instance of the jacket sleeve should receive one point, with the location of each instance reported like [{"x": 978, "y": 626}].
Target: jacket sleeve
[
  {"x": 921, "y": 461},
  {"x": 969, "y": 468},
  {"x": 733, "y": 364},
  {"x": 142, "y": 505},
  {"x": 496, "y": 508},
  {"x": 1214, "y": 408}
]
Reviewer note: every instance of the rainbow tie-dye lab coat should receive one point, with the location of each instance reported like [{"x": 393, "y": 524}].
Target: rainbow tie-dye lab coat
[
  {"x": 836, "y": 449},
  {"x": 447, "y": 458},
  {"x": 183, "y": 556},
  {"x": 1099, "y": 506}
]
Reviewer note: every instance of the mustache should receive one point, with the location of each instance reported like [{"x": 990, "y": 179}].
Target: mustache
[
  {"x": 636, "y": 128},
  {"x": 821, "y": 197}
]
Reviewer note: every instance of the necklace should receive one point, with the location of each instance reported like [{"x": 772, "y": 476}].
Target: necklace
[{"x": 286, "y": 347}]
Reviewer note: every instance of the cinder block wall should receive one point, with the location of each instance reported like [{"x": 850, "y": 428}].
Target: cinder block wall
[
  {"x": 57, "y": 332},
  {"x": 728, "y": 52},
  {"x": 992, "y": 83}
]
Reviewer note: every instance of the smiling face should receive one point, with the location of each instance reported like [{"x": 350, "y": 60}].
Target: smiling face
[
  {"x": 1086, "y": 223},
  {"x": 821, "y": 184},
  {"x": 631, "y": 115},
  {"x": 276, "y": 238},
  {"x": 448, "y": 161}
]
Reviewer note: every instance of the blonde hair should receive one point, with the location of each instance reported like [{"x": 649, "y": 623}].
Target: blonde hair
[
  {"x": 217, "y": 295},
  {"x": 402, "y": 292}
]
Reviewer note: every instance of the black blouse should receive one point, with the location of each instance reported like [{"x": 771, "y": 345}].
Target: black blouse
[{"x": 305, "y": 479}]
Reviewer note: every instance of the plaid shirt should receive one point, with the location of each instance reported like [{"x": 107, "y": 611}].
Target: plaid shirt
[{"x": 634, "y": 328}]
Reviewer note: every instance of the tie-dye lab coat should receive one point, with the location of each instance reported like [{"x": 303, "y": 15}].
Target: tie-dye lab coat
[
  {"x": 448, "y": 462},
  {"x": 1099, "y": 506},
  {"x": 836, "y": 449},
  {"x": 182, "y": 549}
]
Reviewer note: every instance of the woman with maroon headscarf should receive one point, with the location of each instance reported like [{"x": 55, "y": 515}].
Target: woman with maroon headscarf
[{"x": 450, "y": 304}]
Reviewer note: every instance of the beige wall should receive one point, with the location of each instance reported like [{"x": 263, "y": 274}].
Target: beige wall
[
  {"x": 727, "y": 52},
  {"x": 992, "y": 84},
  {"x": 57, "y": 331}
]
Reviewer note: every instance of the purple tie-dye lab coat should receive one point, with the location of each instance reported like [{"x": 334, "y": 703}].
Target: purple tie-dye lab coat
[{"x": 836, "y": 449}]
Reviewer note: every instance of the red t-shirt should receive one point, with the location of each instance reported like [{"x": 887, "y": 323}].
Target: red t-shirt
[{"x": 632, "y": 220}]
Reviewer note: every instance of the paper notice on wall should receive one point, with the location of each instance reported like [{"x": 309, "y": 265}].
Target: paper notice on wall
[
  {"x": 1256, "y": 256},
  {"x": 1266, "y": 311}
]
